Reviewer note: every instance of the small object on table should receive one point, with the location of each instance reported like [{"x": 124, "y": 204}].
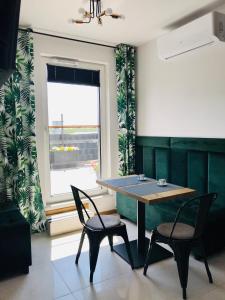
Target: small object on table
[
  {"x": 162, "y": 182},
  {"x": 141, "y": 177}
]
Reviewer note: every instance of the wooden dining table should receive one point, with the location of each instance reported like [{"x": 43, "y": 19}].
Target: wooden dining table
[{"x": 148, "y": 192}]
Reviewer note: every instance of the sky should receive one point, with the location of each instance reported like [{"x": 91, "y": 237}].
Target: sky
[{"x": 79, "y": 104}]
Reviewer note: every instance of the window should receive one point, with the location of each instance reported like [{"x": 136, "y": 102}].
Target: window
[
  {"x": 75, "y": 144},
  {"x": 74, "y": 136}
]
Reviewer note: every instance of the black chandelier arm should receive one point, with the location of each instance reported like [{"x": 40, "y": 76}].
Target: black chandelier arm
[
  {"x": 92, "y": 8},
  {"x": 98, "y": 8},
  {"x": 87, "y": 22}
]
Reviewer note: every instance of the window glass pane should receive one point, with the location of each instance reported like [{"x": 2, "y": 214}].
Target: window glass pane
[{"x": 74, "y": 135}]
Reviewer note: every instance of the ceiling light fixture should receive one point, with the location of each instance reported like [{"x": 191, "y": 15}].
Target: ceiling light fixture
[{"x": 95, "y": 11}]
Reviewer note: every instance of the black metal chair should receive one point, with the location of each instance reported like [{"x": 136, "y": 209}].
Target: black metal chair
[
  {"x": 182, "y": 237},
  {"x": 97, "y": 228}
]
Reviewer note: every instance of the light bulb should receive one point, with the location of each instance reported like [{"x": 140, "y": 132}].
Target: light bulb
[
  {"x": 81, "y": 10},
  {"x": 108, "y": 11}
]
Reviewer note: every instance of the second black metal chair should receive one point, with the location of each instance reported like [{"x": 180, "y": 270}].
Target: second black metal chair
[
  {"x": 183, "y": 237},
  {"x": 97, "y": 228}
]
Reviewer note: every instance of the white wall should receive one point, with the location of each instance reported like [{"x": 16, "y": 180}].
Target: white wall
[
  {"x": 184, "y": 96},
  {"x": 86, "y": 53}
]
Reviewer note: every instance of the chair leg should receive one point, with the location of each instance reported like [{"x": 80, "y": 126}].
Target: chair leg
[
  {"x": 110, "y": 238},
  {"x": 205, "y": 261},
  {"x": 127, "y": 244},
  {"x": 80, "y": 246},
  {"x": 148, "y": 256},
  {"x": 182, "y": 253},
  {"x": 93, "y": 254}
]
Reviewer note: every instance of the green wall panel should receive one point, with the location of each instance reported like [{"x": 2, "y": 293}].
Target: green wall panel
[
  {"x": 198, "y": 144},
  {"x": 162, "y": 142},
  {"x": 216, "y": 175},
  {"x": 162, "y": 163},
  {"x": 126, "y": 207},
  {"x": 197, "y": 169},
  {"x": 178, "y": 167},
  {"x": 149, "y": 161}
]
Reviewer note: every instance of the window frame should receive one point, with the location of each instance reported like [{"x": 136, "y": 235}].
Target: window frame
[{"x": 43, "y": 149}]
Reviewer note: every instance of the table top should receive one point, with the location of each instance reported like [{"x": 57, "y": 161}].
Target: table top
[{"x": 147, "y": 191}]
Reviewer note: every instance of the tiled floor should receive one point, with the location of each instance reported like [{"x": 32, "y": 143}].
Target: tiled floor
[{"x": 53, "y": 275}]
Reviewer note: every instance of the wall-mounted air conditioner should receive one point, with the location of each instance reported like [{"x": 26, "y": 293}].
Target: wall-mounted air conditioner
[{"x": 203, "y": 31}]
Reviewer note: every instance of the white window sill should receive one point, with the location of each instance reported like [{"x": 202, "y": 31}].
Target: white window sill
[{"x": 103, "y": 201}]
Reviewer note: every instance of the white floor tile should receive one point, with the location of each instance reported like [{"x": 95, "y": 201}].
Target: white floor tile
[
  {"x": 76, "y": 277},
  {"x": 67, "y": 297},
  {"x": 41, "y": 249},
  {"x": 216, "y": 294},
  {"x": 131, "y": 286},
  {"x": 168, "y": 281},
  {"x": 217, "y": 267},
  {"x": 43, "y": 282}
]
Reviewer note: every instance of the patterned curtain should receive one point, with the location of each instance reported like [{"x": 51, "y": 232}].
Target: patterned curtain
[
  {"x": 126, "y": 102},
  {"x": 19, "y": 179}
]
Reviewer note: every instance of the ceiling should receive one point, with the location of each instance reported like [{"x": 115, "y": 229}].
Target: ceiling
[{"x": 144, "y": 19}]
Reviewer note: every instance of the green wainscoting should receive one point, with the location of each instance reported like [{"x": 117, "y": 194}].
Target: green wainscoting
[{"x": 198, "y": 163}]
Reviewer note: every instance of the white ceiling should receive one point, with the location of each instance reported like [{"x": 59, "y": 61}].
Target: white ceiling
[{"x": 144, "y": 19}]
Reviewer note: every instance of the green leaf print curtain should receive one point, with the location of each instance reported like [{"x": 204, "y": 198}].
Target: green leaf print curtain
[
  {"x": 19, "y": 179},
  {"x": 126, "y": 102}
]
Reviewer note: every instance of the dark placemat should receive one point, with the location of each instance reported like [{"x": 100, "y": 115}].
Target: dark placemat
[
  {"x": 150, "y": 188},
  {"x": 126, "y": 181}
]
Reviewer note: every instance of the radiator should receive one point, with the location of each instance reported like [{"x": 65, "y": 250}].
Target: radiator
[{"x": 64, "y": 222}]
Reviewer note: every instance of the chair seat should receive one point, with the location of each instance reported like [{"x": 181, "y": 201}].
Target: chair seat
[
  {"x": 182, "y": 231},
  {"x": 109, "y": 221}
]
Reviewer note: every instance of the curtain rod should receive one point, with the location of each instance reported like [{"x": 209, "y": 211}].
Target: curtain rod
[{"x": 66, "y": 38}]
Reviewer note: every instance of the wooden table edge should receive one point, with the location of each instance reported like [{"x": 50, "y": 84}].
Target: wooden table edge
[
  {"x": 171, "y": 194},
  {"x": 152, "y": 198}
]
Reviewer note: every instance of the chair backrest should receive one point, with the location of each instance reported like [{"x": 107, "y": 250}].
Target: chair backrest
[
  {"x": 80, "y": 206},
  {"x": 205, "y": 203},
  {"x": 202, "y": 205}
]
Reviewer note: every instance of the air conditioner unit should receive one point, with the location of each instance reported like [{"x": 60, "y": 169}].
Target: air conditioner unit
[{"x": 203, "y": 31}]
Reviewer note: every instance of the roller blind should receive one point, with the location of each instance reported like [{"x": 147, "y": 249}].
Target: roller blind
[{"x": 73, "y": 75}]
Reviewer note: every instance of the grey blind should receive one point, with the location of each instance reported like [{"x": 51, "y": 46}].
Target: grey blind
[{"x": 73, "y": 75}]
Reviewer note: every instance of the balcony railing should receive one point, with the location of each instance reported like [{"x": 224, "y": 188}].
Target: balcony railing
[
  {"x": 74, "y": 126},
  {"x": 73, "y": 146}
]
